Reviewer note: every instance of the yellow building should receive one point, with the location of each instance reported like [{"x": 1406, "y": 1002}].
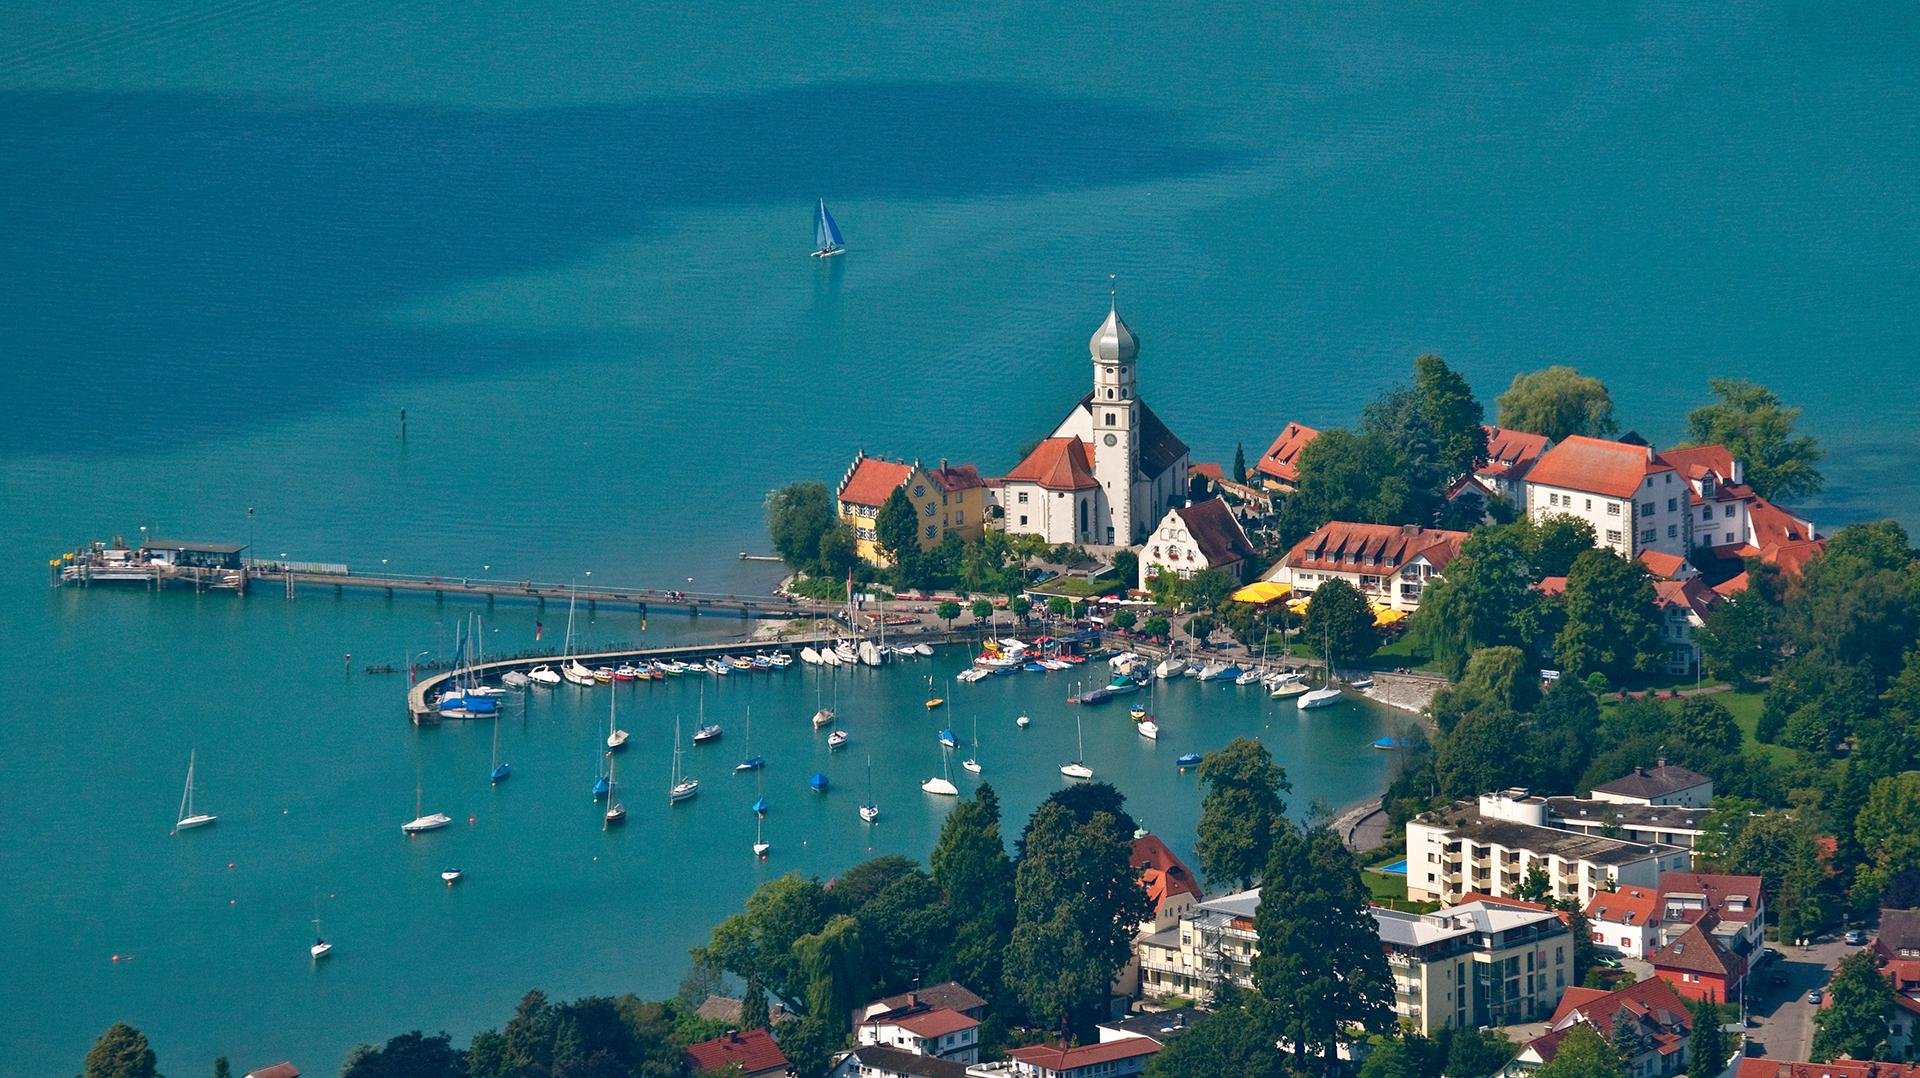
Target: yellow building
[{"x": 947, "y": 499}]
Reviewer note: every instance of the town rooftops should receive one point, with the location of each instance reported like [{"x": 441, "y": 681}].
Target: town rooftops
[
  {"x": 1282, "y": 459},
  {"x": 1373, "y": 549},
  {"x": 1596, "y": 466},
  {"x": 872, "y": 479},
  {"x": 1734, "y": 899},
  {"x": 1162, "y": 1026},
  {"x": 924, "y": 1021},
  {"x": 1162, "y": 873},
  {"x": 1661, "y": 780},
  {"x": 1466, "y": 820},
  {"x": 1662, "y": 564},
  {"x": 956, "y": 477},
  {"x": 1656, "y": 1011},
  {"x": 1627, "y": 906},
  {"x": 1216, "y": 531},
  {"x": 1049, "y": 1057},
  {"x": 1584, "y": 812},
  {"x": 1840, "y": 1068},
  {"x": 1899, "y": 934},
  {"x": 1692, "y": 595},
  {"x": 1695, "y": 951},
  {"x": 952, "y": 995},
  {"x": 1511, "y": 452},
  {"x": 753, "y": 1051},
  {"x": 897, "y": 1061},
  {"x": 1057, "y": 464}
]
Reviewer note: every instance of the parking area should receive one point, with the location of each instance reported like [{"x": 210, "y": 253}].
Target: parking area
[{"x": 1781, "y": 1019}]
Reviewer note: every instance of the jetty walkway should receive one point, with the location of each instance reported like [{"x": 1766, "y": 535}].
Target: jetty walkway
[{"x": 538, "y": 592}]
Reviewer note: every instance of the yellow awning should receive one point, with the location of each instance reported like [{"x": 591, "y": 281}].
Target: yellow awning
[
  {"x": 1262, "y": 591},
  {"x": 1299, "y": 606},
  {"x": 1388, "y": 616}
]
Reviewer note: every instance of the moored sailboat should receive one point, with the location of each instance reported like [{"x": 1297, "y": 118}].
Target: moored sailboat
[
  {"x": 682, "y": 788},
  {"x": 189, "y": 819}
]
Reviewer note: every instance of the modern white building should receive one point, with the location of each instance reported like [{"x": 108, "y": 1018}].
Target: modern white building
[
  {"x": 1110, "y": 469},
  {"x": 1491, "y": 847},
  {"x": 1478, "y": 964},
  {"x": 1194, "y": 538}
]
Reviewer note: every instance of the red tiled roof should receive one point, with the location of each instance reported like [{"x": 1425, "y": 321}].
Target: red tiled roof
[
  {"x": 1159, "y": 447},
  {"x": 1752, "y": 1067},
  {"x": 1718, "y": 888},
  {"x": 1162, "y": 873},
  {"x": 957, "y": 478},
  {"x": 1282, "y": 458},
  {"x": 935, "y": 1022},
  {"x": 1694, "y": 461},
  {"x": 1690, "y": 593},
  {"x": 1662, "y": 564},
  {"x": 1209, "y": 469},
  {"x": 1057, "y": 464},
  {"x": 1630, "y": 906},
  {"x": 753, "y": 1050},
  {"x": 1552, "y": 585},
  {"x": 873, "y": 480},
  {"x": 1055, "y": 1058},
  {"x": 1593, "y": 465},
  {"x": 1217, "y": 532},
  {"x": 1697, "y": 952},
  {"x": 1732, "y": 586},
  {"x": 1511, "y": 452},
  {"x": 1340, "y": 546}
]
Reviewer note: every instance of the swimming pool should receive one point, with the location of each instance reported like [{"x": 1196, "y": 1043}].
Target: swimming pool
[{"x": 1398, "y": 868}]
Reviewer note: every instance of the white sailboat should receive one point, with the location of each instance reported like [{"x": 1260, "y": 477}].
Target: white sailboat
[
  {"x": 760, "y": 845},
  {"x": 824, "y": 716},
  {"x": 1149, "y": 729},
  {"x": 1078, "y": 769},
  {"x": 871, "y": 810},
  {"x": 682, "y": 788},
  {"x": 542, "y": 676},
  {"x": 616, "y": 737},
  {"x": 1326, "y": 695},
  {"x": 616, "y": 812},
  {"x": 432, "y": 821},
  {"x": 943, "y": 785},
  {"x": 321, "y": 948},
  {"x": 570, "y": 667},
  {"x": 972, "y": 763},
  {"x": 826, "y": 234},
  {"x": 189, "y": 819}
]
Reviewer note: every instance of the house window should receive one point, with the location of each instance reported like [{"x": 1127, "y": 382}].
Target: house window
[
  {"x": 1613, "y": 535},
  {"x": 1646, "y": 509},
  {"x": 1022, "y": 499},
  {"x": 1727, "y": 511},
  {"x": 1673, "y": 530},
  {"x": 1648, "y": 535},
  {"x": 1706, "y": 513},
  {"x": 1727, "y": 538},
  {"x": 1613, "y": 509},
  {"x": 1553, "y": 499},
  {"x": 1023, "y": 520},
  {"x": 1110, "y": 419},
  {"x": 1672, "y": 504},
  {"x": 930, "y": 531}
]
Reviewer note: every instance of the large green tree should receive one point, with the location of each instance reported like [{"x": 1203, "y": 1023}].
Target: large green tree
[
  {"x": 1320, "y": 965},
  {"x": 1481, "y": 602},
  {"x": 409, "y": 1055},
  {"x": 1741, "y": 639},
  {"x": 1557, "y": 402},
  {"x": 970, "y": 867},
  {"x": 1888, "y": 830},
  {"x": 1613, "y": 627},
  {"x": 120, "y": 1052},
  {"x": 1707, "y": 1047},
  {"x": 1758, "y": 430},
  {"x": 897, "y": 529},
  {"x": 1349, "y": 476},
  {"x": 1077, "y": 904},
  {"x": 1240, "y": 813},
  {"x": 1460, "y": 439},
  {"x": 798, "y": 516},
  {"x": 1854, "y": 1021},
  {"x": 758, "y": 943},
  {"x": 1583, "y": 1053},
  {"x": 1339, "y": 620},
  {"x": 834, "y": 963},
  {"x": 1235, "y": 1039}
]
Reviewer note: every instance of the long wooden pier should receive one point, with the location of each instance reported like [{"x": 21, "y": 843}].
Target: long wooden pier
[{"x": 538, "y": 592}]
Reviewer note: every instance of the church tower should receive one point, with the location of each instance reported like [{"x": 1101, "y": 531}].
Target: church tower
[{"x": 1116, "y": 423}]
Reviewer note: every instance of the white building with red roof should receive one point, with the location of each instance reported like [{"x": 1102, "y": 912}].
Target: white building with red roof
[
  {"x": 1106, "y": 1059},
  {"x": 1110, "y": 469},
  {"x": 1194, "y": 538},
  {"x": 1279, "y": 467},
  {"x": 1511, "y": 454},
  {"x": 1651, "y": 1008},
  {"x": 1625, "y": 921},
  {"x": 923, "y": 1029},
  {"x": 1389, "y": 563}
]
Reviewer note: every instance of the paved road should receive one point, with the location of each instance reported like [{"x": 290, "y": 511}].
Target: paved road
[{"x": 1782, "y": 1017}]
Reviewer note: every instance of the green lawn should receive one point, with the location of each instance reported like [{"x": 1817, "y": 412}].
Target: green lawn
[
  {"x": 1745, "y": 708},
  {"x": 1077, "y": 587},
  {"x": 1390, "y": 890}
]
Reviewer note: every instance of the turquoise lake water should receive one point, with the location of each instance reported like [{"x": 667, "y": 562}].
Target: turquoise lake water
[{"x": 570, "y": 240}]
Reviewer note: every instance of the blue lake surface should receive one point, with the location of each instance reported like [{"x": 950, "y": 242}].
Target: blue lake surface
[{"x": 570, "y": 240}]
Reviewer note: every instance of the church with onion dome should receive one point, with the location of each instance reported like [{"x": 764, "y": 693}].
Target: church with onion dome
[{"x": 1110, "y": 470}]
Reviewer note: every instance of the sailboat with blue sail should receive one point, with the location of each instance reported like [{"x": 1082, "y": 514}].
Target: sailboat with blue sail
[{"x": 826, "y": 234}]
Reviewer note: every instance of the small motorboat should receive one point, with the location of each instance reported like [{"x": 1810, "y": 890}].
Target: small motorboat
[
  {"x": 543, "y": 675},
  {"x": 760, "y": 662},
  {"x": 709, "y": 732},
  {"x": 320, "y": 949},
  {"x": 934, "y": 702},
  {"x": 514, "y": 679},
  {"x": 1361, "y": 683},
  {"x": 603, "y": 675},
  {"x": 1034, "y": 668},
  {"x": 818, "y": 783},
  {"x": 871, "y": 812},
  {"x": 451, "y": 876},
  {"x": 1191, "y": 759},
  {"x": 618, "y": 740},
  {"x": 837, "y": 739},
  {"x": 1390, "y": 743},
  {"x": 625, "y": 672},
  {"x": 740, "y": 662},
  {"x": 925, "y": 650},
  {"x": 1170, "y": 667},
  {"x": 1288, "y": 685},
  {"x": 1247, "y": 677},
  {"x": 846, "y": 652},
  {"x": 1137, "y": 712},
  {"x": 781, "y": 659},
  {"x": 1023, "y": 722},
  {"x": 1149, "y": 730},
  {"x": 718, "y": 668}
]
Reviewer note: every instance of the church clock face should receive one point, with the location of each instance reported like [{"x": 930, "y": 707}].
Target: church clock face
[{"x": 1111, "y": 440}]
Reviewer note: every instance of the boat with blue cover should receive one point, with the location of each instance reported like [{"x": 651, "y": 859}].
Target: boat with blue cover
[{"x": 818, "y": 782}]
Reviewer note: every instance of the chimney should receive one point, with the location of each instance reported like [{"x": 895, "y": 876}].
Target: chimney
[
  {"x": 1661, "y": 762},
  {"x": 1409, "y": 529},
  {"x": 943, "y": 464}
]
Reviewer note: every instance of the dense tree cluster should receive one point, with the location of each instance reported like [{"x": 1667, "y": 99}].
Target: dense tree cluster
[{"x": 1557, "y": 402}]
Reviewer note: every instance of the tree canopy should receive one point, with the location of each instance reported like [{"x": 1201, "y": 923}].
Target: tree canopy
[
  {"x": 1583, "y": 1053},
  {"x": 1557, "y": 402},
  {"x": 1612, "y": 626},
  {"x": 1340, "y": 620},
  {"x": 1240, "y": 813},
  {"x": 409, "y": 1055},
  {"x": 798, "y": 516},
  {"x": 120, "y": 1052},
  {"x": 1854, "y": 1021},
  {"x": 1758, "y": 430}
]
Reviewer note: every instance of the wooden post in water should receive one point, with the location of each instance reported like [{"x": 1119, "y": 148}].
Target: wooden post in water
[{"x": 403, "y": 424}]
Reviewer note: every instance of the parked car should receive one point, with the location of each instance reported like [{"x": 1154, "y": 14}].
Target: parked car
[
  {"x": 1854, "y": 937},
  {"x": 1814, "y": 996}
]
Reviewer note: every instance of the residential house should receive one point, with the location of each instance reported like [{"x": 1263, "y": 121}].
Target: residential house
[
  {"x": 1170, "y": 887},
  {"x": 1684, "y": 606},
  {"x": 924, "y": 1030},
  {"x": 1249, "y": 502},
  {"x": 1662, "y": 784},
  {"x": 1493, "y": 845},
  {"x": 1896, "y": 951},
  {"x": 1212, "y": 941},
  {"x": 1656, "y": 1014},
  {"x": 1477, "y": 964},
  {"x": 1279, "y": 467},
  {"x": 1162, "y": 1026},
  {"x": 1511, "y": 454},
  {"x": 752, "y": 1051},
  {"x": 1389, "y": 563},
  {"x": 951, "y": 995},
  {"x": 950, "y": 499},
  {"x": 1109, "y": 470},
  {"x": 727, "y": 1010},
  {"x": 1667, "y": 825},
  {"x": 1104, "y": 1059},
  {"x": 1626, "y": 922},
  {"x": 880, "y": 1061},
  {"x": 1735, "y": 905},
  {"x": 1839, "y": 1068},
  {"x": 1699, "y": 965},
  {"x": 1193, "y": 538}
]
